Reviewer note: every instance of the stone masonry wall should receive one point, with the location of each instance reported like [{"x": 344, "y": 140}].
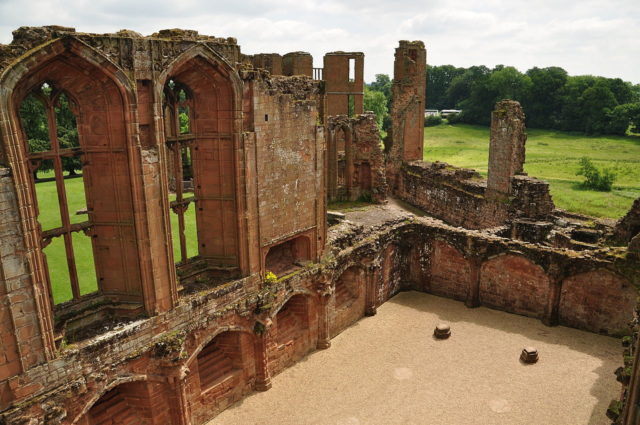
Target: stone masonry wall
[
  {"x": 407, "y": 110},
  {"x": 290, "y": 157},
  {"x": 362, "y": 160},
  {"x": 506, "y": 147},
  {"x": 161, "y": 346}
]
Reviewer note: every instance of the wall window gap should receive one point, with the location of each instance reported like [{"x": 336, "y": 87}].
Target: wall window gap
[
  {"x": 180, "y": 140},
  {"x": 352, "y": 70},
  {"x": 48, "y": 118}
]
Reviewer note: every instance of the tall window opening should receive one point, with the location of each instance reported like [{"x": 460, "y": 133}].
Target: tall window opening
[
  {"x": 351, "y": 105},
  {"x": 180, "y": 140},
  {"x": 48, "y": 118},
  {"x": 352, "y": 70}
]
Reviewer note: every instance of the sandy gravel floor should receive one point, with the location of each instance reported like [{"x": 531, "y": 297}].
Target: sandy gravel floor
[{"x": 388, "y": 369}]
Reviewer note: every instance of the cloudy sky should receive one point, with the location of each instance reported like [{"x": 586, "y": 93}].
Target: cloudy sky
[{"x": 582, "y": 36}]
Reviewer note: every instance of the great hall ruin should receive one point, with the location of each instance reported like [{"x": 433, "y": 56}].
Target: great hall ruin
[{"x": 206, "y": 176}]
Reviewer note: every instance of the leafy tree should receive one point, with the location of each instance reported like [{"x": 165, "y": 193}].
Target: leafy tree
[
  {"x": 461, "y": 85},
  {"x": 439, "y": 80},
  {"x": 596, "y": 103},
  {"x": 383, "y": 84},
  {"x": 377, "y": 102},
  {"x": 543, "y": 102},
  {"x": 594, "y": 178},
  {"x": 36, "y": 126},
  {"x": 432, "y": 120}
]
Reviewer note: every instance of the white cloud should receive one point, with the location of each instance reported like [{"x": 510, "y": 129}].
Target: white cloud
[{"x": 582, "y": 36}]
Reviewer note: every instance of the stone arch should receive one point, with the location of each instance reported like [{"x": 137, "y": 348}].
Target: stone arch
[
  {"x": 215, "y": 149},
  {"x": 210, "y": 56},
  {"x": 598, "y": 300},
  {"x": 104, "y": 96},
  {"x": 294, "y": 331},
  {"x": 209, "y": 337},
  {"x": 349, "y": 298},
  {"x": 84, "y": 416},
  {"x": 513, "y": 283},
  {"x": 221, "y": 370},
  {"x": 450, "y": 271}
]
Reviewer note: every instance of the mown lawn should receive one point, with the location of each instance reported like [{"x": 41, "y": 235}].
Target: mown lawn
[
  {"x": 49, "y": 218},
  {"x": 552, "y": 156}
]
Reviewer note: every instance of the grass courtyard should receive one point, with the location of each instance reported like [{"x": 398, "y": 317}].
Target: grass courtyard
[{"x": 552, "y": 156}]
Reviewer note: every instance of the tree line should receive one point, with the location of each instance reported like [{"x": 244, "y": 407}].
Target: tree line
[{"x": 551, "y": 98}]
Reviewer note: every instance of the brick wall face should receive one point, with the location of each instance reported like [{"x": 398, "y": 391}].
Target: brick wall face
[
  {"x": 348, "y": 300},
  {"x": 506, "y": 146},
  {"x": 450, "y": 272},
  {"x": 514, "y": 284},
  {"x": 597, "y": 301},
  {"x": 289, "y": 156},
  {"x": 355, "y": 160},
  {"x": 460, "y": 197},
  {"x": 339, "y": 87},
  {"x": 508, "y": 282},
  {"x": 20, "y": 332}
]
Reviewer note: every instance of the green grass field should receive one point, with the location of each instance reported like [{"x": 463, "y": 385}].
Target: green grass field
[
  {"x": 552, "y": 156},
  {"x": 55, "y": 252}
]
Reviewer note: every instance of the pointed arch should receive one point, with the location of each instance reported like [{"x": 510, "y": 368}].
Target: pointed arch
[
  {"x": 104, "y": 97},
  {"x": 214, "y": 151}
]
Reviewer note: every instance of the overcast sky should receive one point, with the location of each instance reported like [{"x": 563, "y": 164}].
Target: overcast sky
[{"x": 582, "y": 36}]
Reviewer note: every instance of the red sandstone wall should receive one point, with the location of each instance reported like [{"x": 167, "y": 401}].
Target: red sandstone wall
[
  {"x": 289, "y": 156},
  {"x": 294, "y": 333},
  {"x": 20, "y": 334},
  {"x": 390, "y": 282},
  {"x": 348, "y": 300},
  {"x": 598, "y": 301},
  {"x": 450, "y": 272},
  {"x": 457, "y": 195},
  {"x": 514, "y": 284},
  {"x": 338, "y": 86},
  {"x": 206, "y": 402}
]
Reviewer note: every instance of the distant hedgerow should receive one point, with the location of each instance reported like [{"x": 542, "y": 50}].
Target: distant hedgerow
[
  {"x": 432, "y": 120},
  {"x": 595, "y": 178}
]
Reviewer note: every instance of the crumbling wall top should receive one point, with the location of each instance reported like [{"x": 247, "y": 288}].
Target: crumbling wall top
[
  {"x": 27, "y": 38},
  {"x": 341, "y": 53}
]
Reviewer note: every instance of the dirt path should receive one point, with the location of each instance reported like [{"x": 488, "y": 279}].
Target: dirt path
[{"x": 388, "y": 370}]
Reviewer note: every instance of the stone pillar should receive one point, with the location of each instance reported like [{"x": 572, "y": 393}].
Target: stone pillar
[
  {"x": 348, "y": 162},
  {"x": 552, "y": 308},
  {"x": 332, "y": 165},
  {"x": 263, "y": 375},
  {"x": 407, "y": 110},
  {"x": 371, "y": 307},
  {"x": 324, "y": 337},
  {"x": 473, "y": 292},
  {"x": 506, "y": 148},
  {"x": 182, "y": 412}
]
